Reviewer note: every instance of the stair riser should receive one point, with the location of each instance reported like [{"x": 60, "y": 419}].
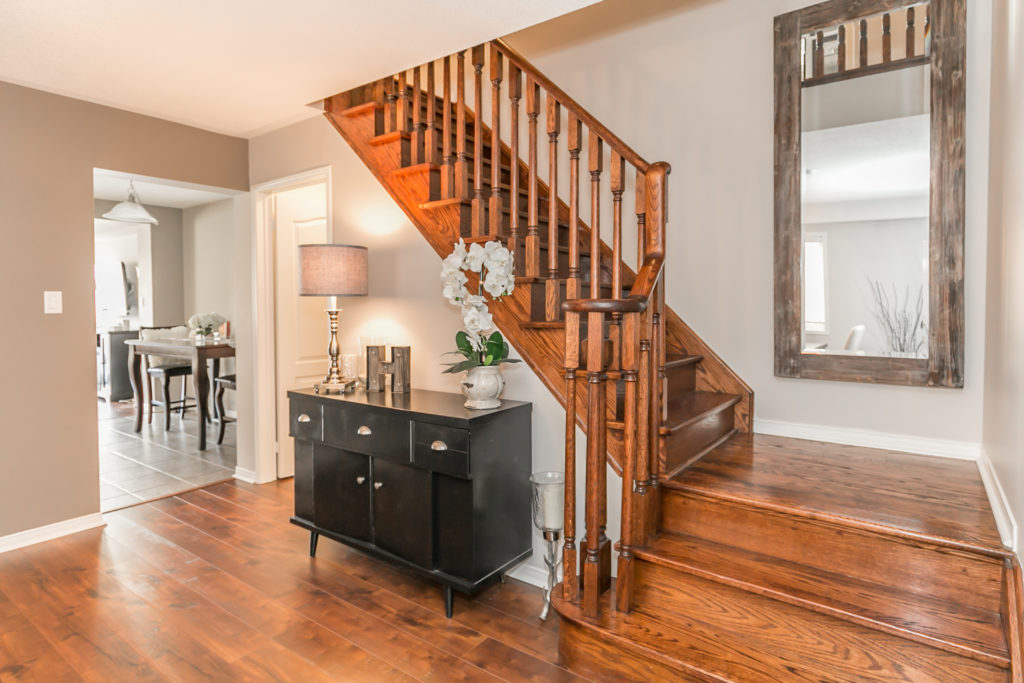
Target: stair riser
[
  {"x": 681, "y": 378},
  {"x": 939, "y": 572},
  {"x": 586, "y": 653},
  {"x": 686, "y": 443}
]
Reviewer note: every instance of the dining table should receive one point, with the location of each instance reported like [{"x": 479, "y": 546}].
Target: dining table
[{"x": 198, "y": 353}]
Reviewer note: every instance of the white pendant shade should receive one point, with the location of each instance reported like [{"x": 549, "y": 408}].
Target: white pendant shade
[{"x": 131, "y": 211}]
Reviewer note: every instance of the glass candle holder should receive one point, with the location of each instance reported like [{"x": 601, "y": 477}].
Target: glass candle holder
[
  {"x": 549, "y": 516},
  {"x": 349, "y": 365}
]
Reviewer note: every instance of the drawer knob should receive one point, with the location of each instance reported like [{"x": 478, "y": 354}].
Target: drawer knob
[
  {"x": 360, "y": 480},
  {"x": 303, "y": 418},
  {"x": 364, "y": 431},
  {"x": 439, "y": 446},
  {"x": 378, "y": 485}
]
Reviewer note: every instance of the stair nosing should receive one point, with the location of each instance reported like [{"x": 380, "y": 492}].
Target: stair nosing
[
  {"x": 840, "y": 520},
  {"x": 683, "y": 361},
  {"x": 647, "y": 554}
]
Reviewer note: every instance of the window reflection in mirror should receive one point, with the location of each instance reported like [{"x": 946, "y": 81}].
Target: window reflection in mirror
[{"x": 865, "y": 178}]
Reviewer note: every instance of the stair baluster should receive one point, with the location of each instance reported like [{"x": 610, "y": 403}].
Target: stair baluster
[
  {"x": 462, "y": 161},
  {"x": 515, "y": 93},
  {"x": 572, "y": 284},
  {"x": 433, "y": 152},
  {"x": 478, "y": 207},
  {"x": 390, "y": 108},
  {"x": 418, "y": 126},
  {"x": 448, "y": 173},
  {"x": 570, "y": 578},
  {"x": 532, "y": 228},
  {"x": 647, "y": 426},
  {"x": 495, "y": 205},
  {"x": 552, "y": 304},
  {"x": 404, "y": 103}
]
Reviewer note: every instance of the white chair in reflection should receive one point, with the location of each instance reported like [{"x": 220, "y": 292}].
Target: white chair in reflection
[{"x": 854, "y": 338}]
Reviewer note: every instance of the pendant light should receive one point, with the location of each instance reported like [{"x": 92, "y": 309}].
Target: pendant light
[{"x": 131, "y": 211}]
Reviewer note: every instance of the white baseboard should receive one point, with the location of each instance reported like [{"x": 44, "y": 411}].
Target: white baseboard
[
  {"x": 943, "y": 448},
  {"x": 531, "y": 574},
  {"x": 50, "y": 531},
  {"x": 1005, "y": 521},
  {"x": 248, "y": 476}
]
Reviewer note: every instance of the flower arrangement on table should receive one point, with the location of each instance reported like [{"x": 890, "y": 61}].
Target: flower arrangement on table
[
  {"x": 495, "y": 266},
  {"x": 206, "y": 323}
]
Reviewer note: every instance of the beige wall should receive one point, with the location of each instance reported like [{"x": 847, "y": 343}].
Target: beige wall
[
  {"x": 692, "y": 83},
  {"x": 1004, "y": 349},
  {"x": 49, "y": 146}
]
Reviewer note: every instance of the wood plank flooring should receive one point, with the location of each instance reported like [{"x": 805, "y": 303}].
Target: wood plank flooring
[{"x": 214, "y": 584}]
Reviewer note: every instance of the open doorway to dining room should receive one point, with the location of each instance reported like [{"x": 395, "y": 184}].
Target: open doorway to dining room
[{"x": 164, "y": 254}]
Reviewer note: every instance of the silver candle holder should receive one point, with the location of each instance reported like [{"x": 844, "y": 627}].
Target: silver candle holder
[{"x": 548, "y": 517}]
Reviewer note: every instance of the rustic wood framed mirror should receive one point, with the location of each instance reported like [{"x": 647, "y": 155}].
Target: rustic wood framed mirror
[{"x": 870, "y": 98}]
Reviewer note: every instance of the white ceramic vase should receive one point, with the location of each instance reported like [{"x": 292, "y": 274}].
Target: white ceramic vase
[{"x": 483, "y": 386}]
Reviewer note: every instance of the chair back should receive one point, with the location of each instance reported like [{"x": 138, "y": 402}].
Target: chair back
[{"x": 165, "y": 332}]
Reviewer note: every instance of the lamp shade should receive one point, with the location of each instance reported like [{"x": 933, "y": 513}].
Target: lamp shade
[
  {"x": 332, "y": 270},
  {"x": 131, "y": 211}
]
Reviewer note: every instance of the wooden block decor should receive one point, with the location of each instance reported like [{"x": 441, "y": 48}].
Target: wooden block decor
[{"x": 398, "y": 367}]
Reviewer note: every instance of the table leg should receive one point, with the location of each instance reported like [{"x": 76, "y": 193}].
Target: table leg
[
  {"x": 202, "y": 388},
  {"x": 135, "y": 376}
]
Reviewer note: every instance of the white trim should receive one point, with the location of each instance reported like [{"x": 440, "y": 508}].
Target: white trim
[
  {"x": 264, "y": 370},
  {"x": 943, "y": 448},
  {"x": 242, "y": 474},
  {"x": 531, "y": 574},
  {"x": 50, "y": 531},
  {"x": 999, "y": 503}
]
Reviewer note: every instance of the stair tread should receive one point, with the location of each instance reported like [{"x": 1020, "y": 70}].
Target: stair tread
[
  {"x": 687, "y": 407},
  {"x": 925, "y": 497},
  {"x": 706, "y": 630},
  {"x": 958, "y": 627},
  {"x": 676, "y": 360}
]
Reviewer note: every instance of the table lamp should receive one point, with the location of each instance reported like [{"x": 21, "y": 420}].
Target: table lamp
[{"x": 332, "y": 270}]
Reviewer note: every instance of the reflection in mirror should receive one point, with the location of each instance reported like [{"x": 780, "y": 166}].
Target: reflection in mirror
[{"x": 865, "y": 176}]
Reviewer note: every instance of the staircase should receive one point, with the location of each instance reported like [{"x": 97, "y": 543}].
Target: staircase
[{"x": 741, "y": 557}]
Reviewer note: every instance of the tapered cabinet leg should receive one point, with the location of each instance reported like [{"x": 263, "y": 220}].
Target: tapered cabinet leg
[
  {"x": 313, "y": 538},
  {"x": 449, "y": 600}
]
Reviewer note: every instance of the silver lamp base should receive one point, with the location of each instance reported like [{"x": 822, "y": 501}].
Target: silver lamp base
[
  {"x": 552, "y": 561},
  {"x": 342, "y": 387}
]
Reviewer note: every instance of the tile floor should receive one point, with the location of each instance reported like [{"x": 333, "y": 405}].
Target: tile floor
[{"x": 155, "y": 463}]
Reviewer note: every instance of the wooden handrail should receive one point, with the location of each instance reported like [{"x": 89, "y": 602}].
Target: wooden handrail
[{"x": 577, "y": 110}]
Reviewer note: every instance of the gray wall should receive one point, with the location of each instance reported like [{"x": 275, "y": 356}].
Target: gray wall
[
  {"x": 692, "y": 83},
  {"x": 49, "y": 146},
  {"x": 1004, "y": 353}
]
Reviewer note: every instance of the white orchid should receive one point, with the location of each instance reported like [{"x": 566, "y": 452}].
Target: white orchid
[
  {"x": 206, "y": 322},
  {"x": 496, "y": 266}
]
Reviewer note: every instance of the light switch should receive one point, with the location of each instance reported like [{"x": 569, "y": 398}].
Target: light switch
[{"x": 53, "y": 302}]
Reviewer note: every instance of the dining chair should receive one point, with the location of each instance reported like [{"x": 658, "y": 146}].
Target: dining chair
[
  {"x": 166, "y": 369},
  {"x": 223, "y": 383}
]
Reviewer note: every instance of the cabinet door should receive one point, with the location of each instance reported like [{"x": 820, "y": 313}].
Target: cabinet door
[
  {"x": 403, "y": 512},
  {"x": 341, "y": 491},
  {"x": 303, "y": 480}
]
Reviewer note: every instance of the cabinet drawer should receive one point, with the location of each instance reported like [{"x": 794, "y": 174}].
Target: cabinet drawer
[
  {"x": 305, "y": 419},
  {"x": 441, "y": 449},
  {"x": 372, "y": 431}
]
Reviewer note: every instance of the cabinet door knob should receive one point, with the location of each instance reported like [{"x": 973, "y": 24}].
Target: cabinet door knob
[
  {"x": 377, "y": 485},
  {"x": 439, "y": 446},
  {"x": 364, "y": 431},
  {"x": 303, "y": 418},
  {"x": 360, "y": 480}
]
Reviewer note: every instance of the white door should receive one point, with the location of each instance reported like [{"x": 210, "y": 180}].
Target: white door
[{"x": 302, "y": 332}]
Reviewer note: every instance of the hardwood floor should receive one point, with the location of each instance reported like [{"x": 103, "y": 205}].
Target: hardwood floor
[{"x": 215, "y": 584}]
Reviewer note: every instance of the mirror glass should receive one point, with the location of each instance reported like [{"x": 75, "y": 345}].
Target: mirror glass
[{"x": 865, "y": 176}]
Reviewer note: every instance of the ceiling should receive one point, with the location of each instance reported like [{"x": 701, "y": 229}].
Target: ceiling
[
  {"x": 876, "y": 160},
  {"x": 113, "y": 185},
  {"x": 240, "y": 67}
]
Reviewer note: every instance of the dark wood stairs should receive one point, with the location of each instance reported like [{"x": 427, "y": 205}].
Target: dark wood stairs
[{"x": 771, "y": 559}]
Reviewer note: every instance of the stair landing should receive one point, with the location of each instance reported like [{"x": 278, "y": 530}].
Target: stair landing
[{"x": 917, "y": 495}]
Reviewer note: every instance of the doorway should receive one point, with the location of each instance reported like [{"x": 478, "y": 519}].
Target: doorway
[
  {"x": 151, "y": 278},
  {"x": 291, "y": 331}
]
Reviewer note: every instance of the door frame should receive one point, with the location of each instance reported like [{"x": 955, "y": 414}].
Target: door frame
[{"x": 264, "y": 429}]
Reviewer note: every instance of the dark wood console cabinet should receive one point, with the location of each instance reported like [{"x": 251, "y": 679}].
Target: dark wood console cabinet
[{"x": 418, "y": 479}]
